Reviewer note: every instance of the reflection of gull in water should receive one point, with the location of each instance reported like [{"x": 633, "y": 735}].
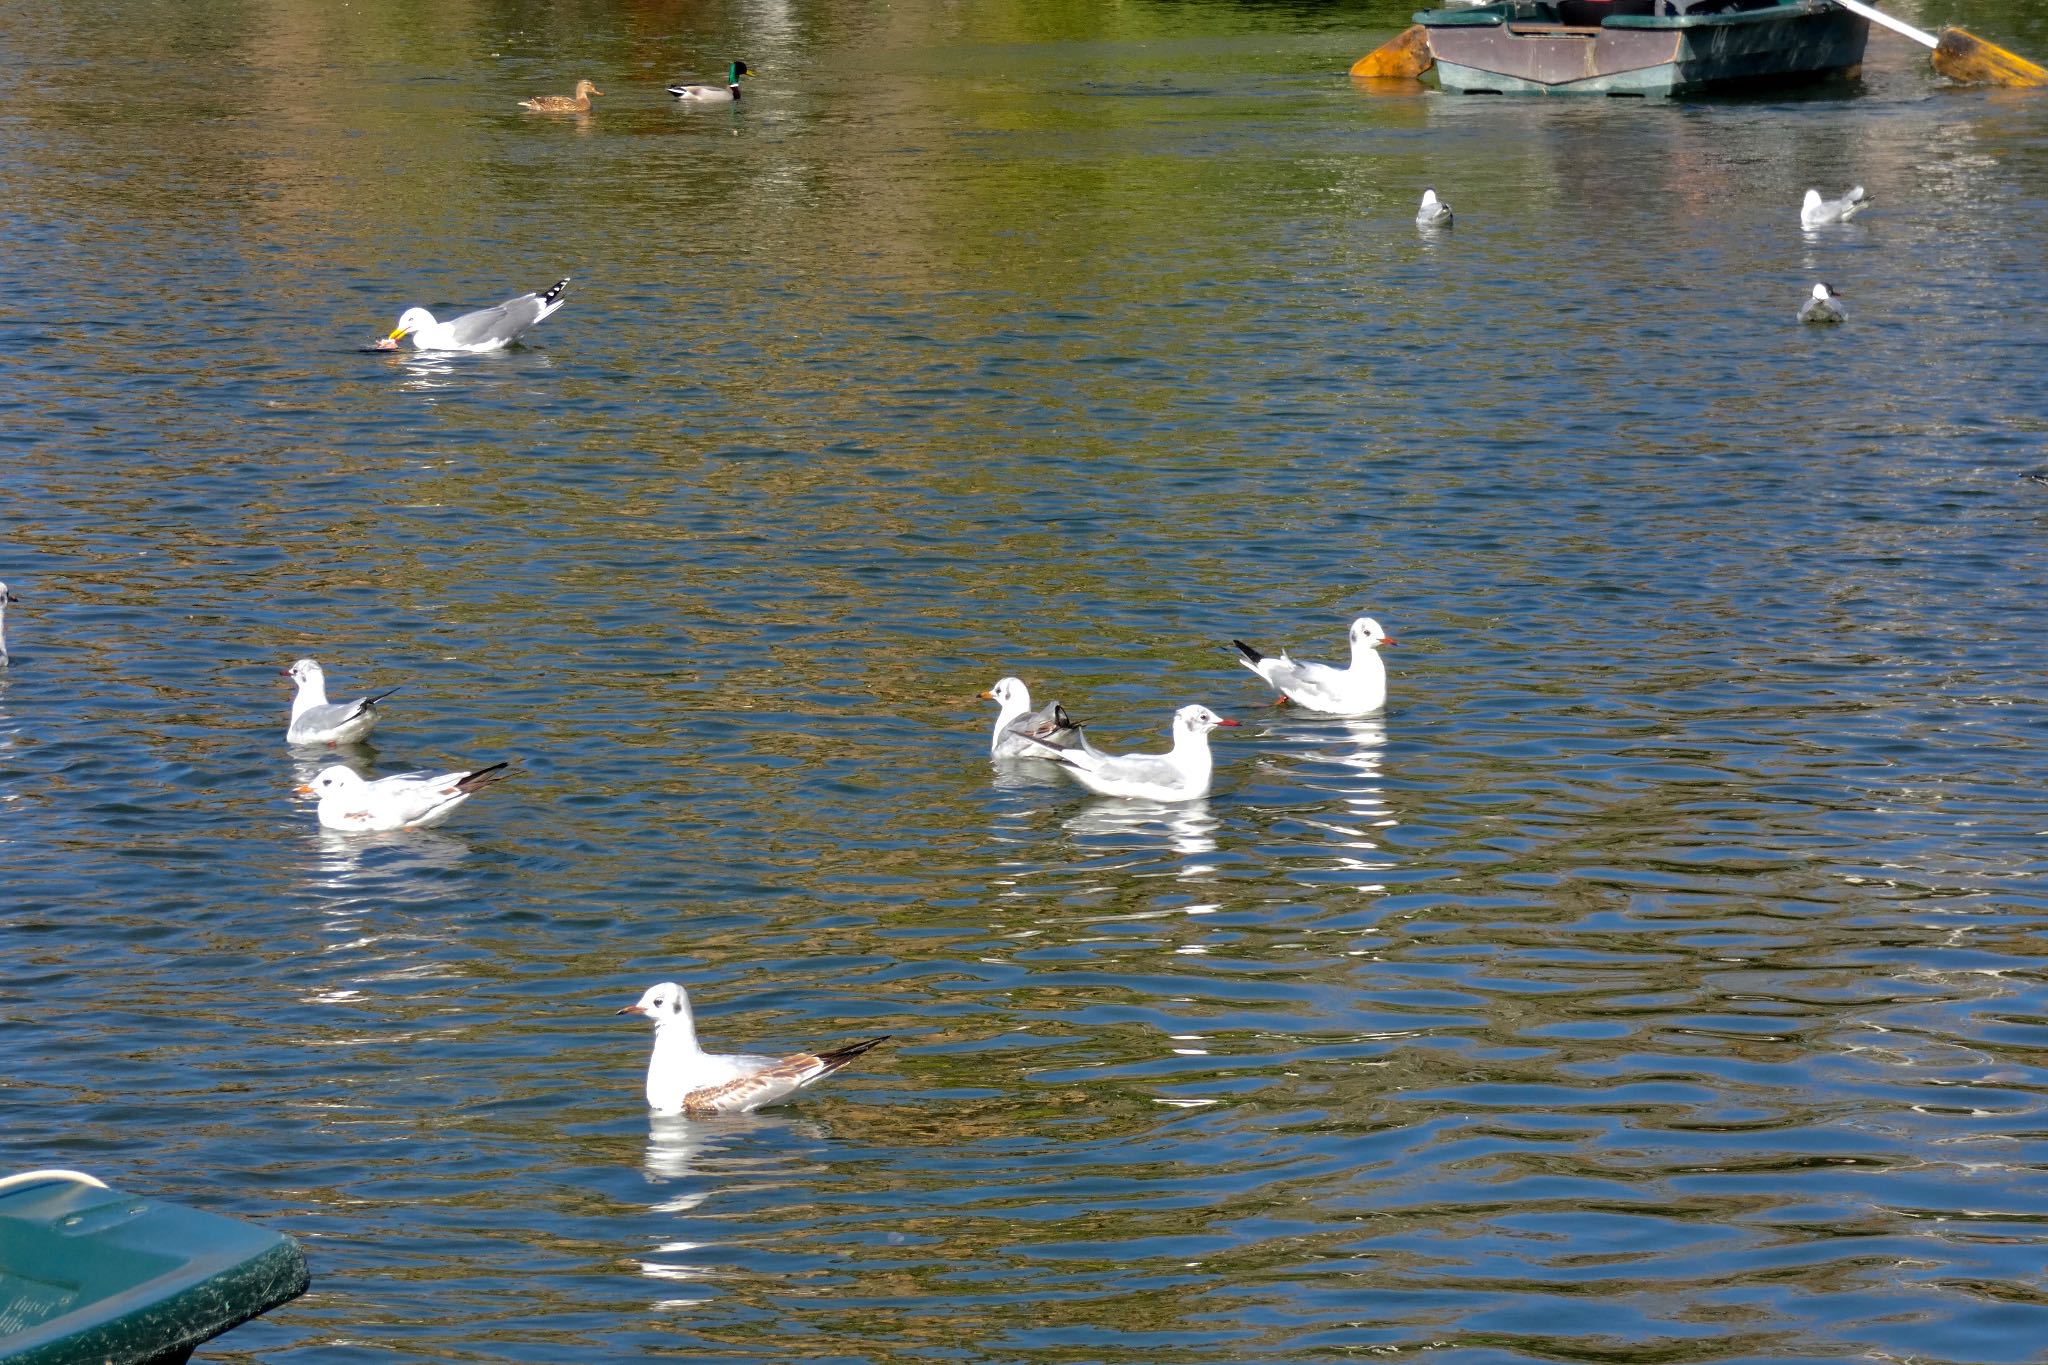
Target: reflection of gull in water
[
  {"x": 1340, "y": 757},
  {"x": 368, "y": 872},
  {"x": 1188, "y": 826}
]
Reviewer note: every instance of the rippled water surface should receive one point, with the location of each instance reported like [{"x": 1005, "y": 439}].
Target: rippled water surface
[{"x": 1658, "y": 979}]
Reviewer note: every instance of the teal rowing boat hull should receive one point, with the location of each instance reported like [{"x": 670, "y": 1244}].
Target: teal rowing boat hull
[{"x": 92, "y": 1276}]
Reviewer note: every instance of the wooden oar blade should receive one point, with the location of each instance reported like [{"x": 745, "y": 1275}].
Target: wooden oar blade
[
  {"x": 1965, "y": 58},
  {"x": 1404, "y": 57}
]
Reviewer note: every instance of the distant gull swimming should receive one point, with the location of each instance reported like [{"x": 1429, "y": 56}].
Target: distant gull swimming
[
  {"x": 1434, "y": 211},
  {"x": 5, "y": 598},
  {"x": 1817, "y": 211},
  {"x": 1180, "y": 774},
  {"x": 315, "y": 720},
  {"x": 714, "y": 94},
  {"x": 577, "y": 103},
  {"x": 487, "y": 329},
  {"x": 403, "y": 801},
  {"x": 1349, "y": 691},
  {"x": 1824, "y": 307},
  {"x": 1021, "y": 732},
  {"x": 682, "y": 1078}
]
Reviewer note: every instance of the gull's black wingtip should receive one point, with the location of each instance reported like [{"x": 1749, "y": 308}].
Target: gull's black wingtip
[
  {"x": 1251, "y": 655},
  {"x": 840, "y": 1056},
  {"x": 483, "y": 777}
]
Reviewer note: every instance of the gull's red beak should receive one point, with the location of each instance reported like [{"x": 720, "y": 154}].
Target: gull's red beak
[
  {"x": 304, "y": 789},
  {"x": 1221, "y": 721},
  {"x": 630, "y": 1009},
  {"x": 1388, "y": 640}
]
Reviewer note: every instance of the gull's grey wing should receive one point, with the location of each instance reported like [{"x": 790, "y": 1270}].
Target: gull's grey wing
[
  {"x": 332, "y": 716},
  {"x": 1155, "y": 769},
  {"x": 503, "y": 323}
]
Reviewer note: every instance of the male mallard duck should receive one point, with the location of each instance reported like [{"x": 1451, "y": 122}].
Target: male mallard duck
[
  {"x": 564, "y": 104},
  {"x": 727, "y": 92}
]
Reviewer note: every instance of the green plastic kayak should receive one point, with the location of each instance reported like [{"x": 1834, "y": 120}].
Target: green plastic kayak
[{"x": 92, "y": 1275}]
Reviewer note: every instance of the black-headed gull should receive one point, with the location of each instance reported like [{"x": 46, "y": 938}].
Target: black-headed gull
[
  {"x": 1823, "y": 307},
  {"x": 1021, "y": 732},
  {"x": 1816, "y": 211},
  {"x": 487, "y": 329},
  {"x": 682, "y": 1078},
  {"x": 714, "y": 94},
  {"x": 5, "y": 598},
  {"x": 1433, "y": 211},
  {"x": 1180, "y": 774},
  {"x": 316, "y": 720},
  {"x": 404, "y": 801},
  {"x": 1349, "y": 691}
]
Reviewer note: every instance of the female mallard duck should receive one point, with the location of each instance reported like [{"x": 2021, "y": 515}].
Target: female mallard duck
[
  {"x": 727, "y": 92},
  {"x": 564, "y": 104}
]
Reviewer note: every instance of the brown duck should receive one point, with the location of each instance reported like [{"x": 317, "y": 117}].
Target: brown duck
[{"x": 564, "y": 104}]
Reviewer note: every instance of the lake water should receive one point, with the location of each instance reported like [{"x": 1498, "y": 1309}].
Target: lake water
[{"x": 1659, "y": 979}]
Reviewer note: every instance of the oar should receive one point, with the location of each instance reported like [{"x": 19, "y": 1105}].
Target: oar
[
  {"x": 1960, "y": 55},
  {"x": 1401, "y": 58}
]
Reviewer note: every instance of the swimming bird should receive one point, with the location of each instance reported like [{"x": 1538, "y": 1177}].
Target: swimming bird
[
  {"x": 1434, "y": 211},
  {"x": 1180, "y": 774},
  {"x": 1349, "y": 691},
  {"x": 5, "y": 598},
  {"x": 315, "y": 720},
  {"x": 720, "y": 94},
  {"x": 487, "y": 329},
  {"x": 577, "y": 103},
  {"x": 1816, "y": 210},
  {"x": 1823, "y": 307},
  {"x": 682, "y": 1078},
  {"x": 402, "y": 801},
  {"x": 1020, "y": 732}
]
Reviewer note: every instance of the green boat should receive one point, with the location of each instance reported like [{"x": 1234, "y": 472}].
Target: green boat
[
  {"x": 1641, "y": 47},
  {"x": 92, "y": 1276}
]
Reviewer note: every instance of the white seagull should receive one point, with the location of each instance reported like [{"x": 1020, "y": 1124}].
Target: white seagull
[
  {"x": 1349, "y": 691},
  {"x": 5, "y": 598},
  {"x": 1434, "y": 212},
  {"x": 315, "y": 720},
  {"x": 1180, "y": 774},
  {"x": 1021, "y": 732},
  {"x": 487, "y": 329},
  {"x": 682, "y": 1078},
  {"x": 403, "y": 801},
  {"x": 1817, "y": 211},
  {"x": 1823, "y": 308}
]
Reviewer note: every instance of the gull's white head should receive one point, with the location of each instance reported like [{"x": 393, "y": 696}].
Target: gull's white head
[
  {"x": 6, "y": 596},
  {"x": 410, "y": 321},
  {"x": 1812, "y": 200},
  {"x": 661, "y": 1003},
  {"x": 306, "y": 673},
  {"x": 1823, "y": 292},
  {"x": 1010, "y": 694},
  {"x": 1428, "y": 198},
  {"x": 1198, "y": 720},
  {"x": 328, "y": 781},
  {"x": 1366, "y": 632}
]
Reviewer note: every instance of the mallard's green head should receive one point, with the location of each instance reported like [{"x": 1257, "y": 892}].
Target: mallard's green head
[{"x": 739, "y": 69}]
